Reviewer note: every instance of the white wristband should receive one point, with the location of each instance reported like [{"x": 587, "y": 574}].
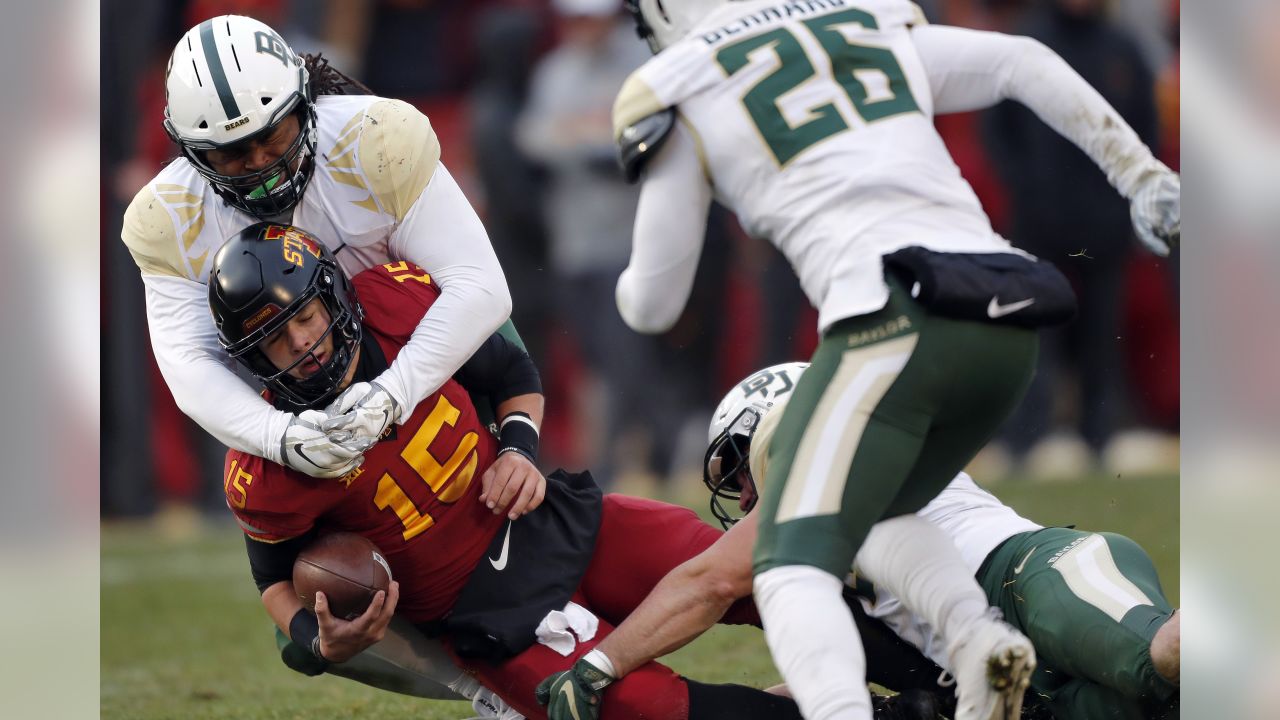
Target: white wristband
[{"x": 601, "y": 662}]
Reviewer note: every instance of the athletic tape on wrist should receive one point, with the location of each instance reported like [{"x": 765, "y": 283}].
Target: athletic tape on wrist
[
  {"x": 517, "y": 432},
  {"x": 602, "y": 663}
]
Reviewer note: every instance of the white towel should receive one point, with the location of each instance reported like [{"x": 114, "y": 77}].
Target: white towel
[{"x": 558, "y": 628}]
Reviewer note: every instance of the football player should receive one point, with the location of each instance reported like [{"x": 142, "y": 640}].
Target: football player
[
  {"x": 813, "y": 122},
  {"x": 267, "y": 134},
  {"x": 1106, "y": 637},
  {"x": 1107, "y": 640},
  {"x": 513, "y": 597}
]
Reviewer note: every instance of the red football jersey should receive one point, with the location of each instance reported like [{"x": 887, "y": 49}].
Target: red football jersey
[{"x": 415, "y": 496}]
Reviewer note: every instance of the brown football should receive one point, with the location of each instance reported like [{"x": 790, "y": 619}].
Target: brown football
[{"x": 346, "y": 567}]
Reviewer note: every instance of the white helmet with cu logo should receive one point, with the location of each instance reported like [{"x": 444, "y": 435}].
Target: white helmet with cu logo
[{"x": 725, "y": 466}]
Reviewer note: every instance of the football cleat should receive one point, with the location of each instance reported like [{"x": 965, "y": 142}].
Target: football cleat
[{"x": 992, "y": 665}]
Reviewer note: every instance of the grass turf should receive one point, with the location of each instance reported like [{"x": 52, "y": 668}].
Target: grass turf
[{"x": 185, "y": 637}]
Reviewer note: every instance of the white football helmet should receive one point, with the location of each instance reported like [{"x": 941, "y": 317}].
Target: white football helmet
[
  {"x": 726, "y": 465},
  {"x": 232, "y": 78},
  {"x": 662, "y": 22}
]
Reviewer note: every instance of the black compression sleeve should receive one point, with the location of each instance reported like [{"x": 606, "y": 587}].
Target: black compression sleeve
[
  {"x": 892, "y": 662},
  {"x": 304, "y": 631},
  {"x": 271, "y": 563},
  {"x": 501, "y": 370},
  {"x": 737, "y": 702}
]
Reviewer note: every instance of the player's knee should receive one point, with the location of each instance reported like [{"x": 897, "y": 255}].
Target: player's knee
[{"x": 1166, "y": 648}]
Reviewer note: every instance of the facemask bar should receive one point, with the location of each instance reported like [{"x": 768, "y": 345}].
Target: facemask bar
[
  {"x": 323, "y": 384},
  {"x": 276, "y": 188},
  {"x": 727, "y": 464}
]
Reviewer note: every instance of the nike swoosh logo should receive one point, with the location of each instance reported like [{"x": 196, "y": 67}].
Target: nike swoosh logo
[
  {"x": 996, "y": 310},
  {"x": 297, "y": 448},
  {"x": 1017, "y": 570},
  {"x": 500, "y": 563},
  {"x": 567, "y": 691}
]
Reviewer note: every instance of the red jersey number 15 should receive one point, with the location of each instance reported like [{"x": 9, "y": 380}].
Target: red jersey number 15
[{"x": 431, "y": 471}]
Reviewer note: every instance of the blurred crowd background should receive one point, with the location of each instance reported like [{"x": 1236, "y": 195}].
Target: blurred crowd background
[{"x": 520, "y": 93}]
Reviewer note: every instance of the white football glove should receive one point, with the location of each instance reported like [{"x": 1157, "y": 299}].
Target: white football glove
[
  {"x": 360, "y": 415},
  {"x": 307, "y": 449},
  {"x": 1156, "y": 210}
]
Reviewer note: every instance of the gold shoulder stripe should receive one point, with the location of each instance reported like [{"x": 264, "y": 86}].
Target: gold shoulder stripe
[
  {"x": 636, "y": 101},
  {"x": 758, "y": 456},
  {"x": 342, "y": 155},
  {"x": 368, "y": 204},
  {"x": 197, "y": 264},
  {"x": 343, "y": 164},
  {"x": 348, "y": 134},
  {"x": 917, "y": 16}
]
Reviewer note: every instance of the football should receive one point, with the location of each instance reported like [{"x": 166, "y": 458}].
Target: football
[{"x": 346, "y": 567}]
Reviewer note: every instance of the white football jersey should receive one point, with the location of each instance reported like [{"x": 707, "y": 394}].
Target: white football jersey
[
  {"x": 975, "y": 520},
  {"x": 814, "y": 122},
  {"x": 355, "y": 198}
]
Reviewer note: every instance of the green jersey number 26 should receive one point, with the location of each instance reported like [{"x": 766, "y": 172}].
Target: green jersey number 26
[{"x": 795, "y": 67}]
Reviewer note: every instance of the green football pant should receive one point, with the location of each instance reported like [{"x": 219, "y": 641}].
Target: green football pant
[
  {"x": 893, "y": 405},
  {"x": 1090, "y": 603}
]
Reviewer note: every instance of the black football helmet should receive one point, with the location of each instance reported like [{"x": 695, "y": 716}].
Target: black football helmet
[{"x": 261, "y": 278}]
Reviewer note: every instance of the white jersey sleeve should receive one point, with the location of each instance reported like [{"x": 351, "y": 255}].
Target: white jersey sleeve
[
  {"x": 972, "y": 70},
  {"x": 183, "y": 337},
  {"x": 193, "y": 364},
  {"x": 442, "y": 232},
  {"x": 434, "y": 227},
  {"x": 671, "y": 222}
]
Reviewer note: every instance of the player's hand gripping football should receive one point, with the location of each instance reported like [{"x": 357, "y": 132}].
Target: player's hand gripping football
[
  {"x": 512, "y": 484},
  {"x": 341, "y": 640},
  {"x": 1156, "y": 211},
  {"x": 306, "y": 447},
  {"x": 573, "y": 694},
  {"x": 360, "y": 415}
]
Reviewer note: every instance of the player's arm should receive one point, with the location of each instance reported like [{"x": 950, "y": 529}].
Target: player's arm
[
  {"x": 437, "y": 229},
  {"x": 671, "y": 222},
  {"x": 682, "y": 606},
  {"x": 504, "y": 372},
  {"x": 197, "y": 370},
  {"x": 195, "y": 367},
  {"x": 971, "y": 70},
  {"x": 685, "y": 603},
  {"x": 330, "y": 639}
]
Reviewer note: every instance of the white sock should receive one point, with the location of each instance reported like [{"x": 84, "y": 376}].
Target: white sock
[
  {"x": 916, "y": 562},
  {"x": 814, "y": 642}
]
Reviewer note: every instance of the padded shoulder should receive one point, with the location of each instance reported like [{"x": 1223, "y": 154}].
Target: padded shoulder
[
  {"x": 399, "y": 152},
  {"x": 641, "y": 140}
]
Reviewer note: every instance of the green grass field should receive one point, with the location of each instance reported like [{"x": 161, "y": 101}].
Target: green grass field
[{"x": 184, "y": 636}]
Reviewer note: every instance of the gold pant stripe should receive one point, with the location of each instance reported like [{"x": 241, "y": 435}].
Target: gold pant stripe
[
  {"x": 1091, "y": 573},
  {"x": 820, "y": 471}
]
